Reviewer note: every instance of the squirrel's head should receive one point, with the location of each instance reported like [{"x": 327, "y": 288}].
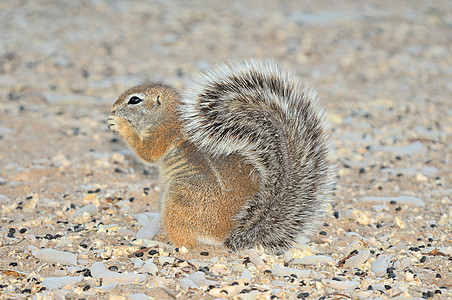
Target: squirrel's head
[{"x": 146, "y": 104}]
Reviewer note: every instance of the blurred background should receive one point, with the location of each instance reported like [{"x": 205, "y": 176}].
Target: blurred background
[{"x": 350, "y": 50}]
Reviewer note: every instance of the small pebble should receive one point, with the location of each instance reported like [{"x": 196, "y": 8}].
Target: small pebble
[{"x": 302, "y": 295}]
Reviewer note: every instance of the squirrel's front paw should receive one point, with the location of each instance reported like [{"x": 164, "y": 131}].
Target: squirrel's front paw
[{"x": 112, "y": 124}]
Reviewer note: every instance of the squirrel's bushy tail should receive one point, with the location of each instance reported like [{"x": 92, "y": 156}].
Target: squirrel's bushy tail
[{"x": 253, "y": 108}]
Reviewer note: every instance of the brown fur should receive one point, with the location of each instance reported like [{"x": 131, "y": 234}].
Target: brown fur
[{"x": 201, "y": 194}]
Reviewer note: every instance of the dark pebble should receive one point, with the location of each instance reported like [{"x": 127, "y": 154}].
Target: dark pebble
[
  {"x": 398, "y": 208},
  {"x": 87, "y": 273},
  {"x": 84, "y": 246},
  {"x": 322, "y": 232},
  {"x": 139, "y": 254},
  {"x": 362, "y": 170},
  {"x": 430, "y": 240},
  {"x": 388, "y": 287},
  {"x": 152, "y": 252},
  {"x": 423, "y": 259},
  {"x": 428, "y": 294},
  {"x": 49, "y": 236},
  {"x": 11, "y": 232},
  {"x": 438, "y": 275},
  {"x": 294, "y": 275},
  {"x": 393, "y": 202},
  {"x": 267, "y": 272},
  {"x": 438, "y": 292},
  {"x": 337, "y": 279},
  {"x": 336, "y": 214},
  {"x": 370, "y": 288},
  {"x": 234, "y": 283},
  {"x": 13, "y": 264},
  {"x": 415, "y": 249},
  {"x": 118, "y": 170},
  {"x": 244, "y": 291},
  {"x": 23, "y": 230},
  {"x": 302, "y": 295},
  {"x": 433, "y": 225},
  {"x": 204, "y": 253},
  {"x": 379, "y": 225},
  {"x": 113, "y": 268},
  {"x": 86, "y": 287},
  {"x": 26, "y": 291}
]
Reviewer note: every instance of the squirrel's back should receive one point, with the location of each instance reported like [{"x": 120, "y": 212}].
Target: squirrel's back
[{"x": 254, "y": 109}]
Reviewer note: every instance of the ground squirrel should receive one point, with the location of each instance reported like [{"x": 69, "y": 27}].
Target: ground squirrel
[{"x": 244, "y": 155}]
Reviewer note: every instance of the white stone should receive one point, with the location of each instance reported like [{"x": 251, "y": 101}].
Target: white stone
[
  {"x": 357, "y": 260},
  {"x": 138, "y": 297},
  {"x": 357, "y": 245},
  {"x": 186, "y": 283},
  {"x": 55, "y": 256},
  {"x": 313, "y": 260},
  {"x": 380, "y": 265},
  {"x": 149, "y": 267},
  {"x": 246, "y": 275},
  {"x": 150, "y": 223},
  {"x": 342, "y": 285},
  {"x": 98, "y": 271},
  {"x": 137, "y": 262},
  {"x": 199, "y": 278},
  {"x": 59, "y": 282},
  {"x": 91, "y": 209},
  {"x": 166, "y": 259},
  {"x": 285, "y": 271}
]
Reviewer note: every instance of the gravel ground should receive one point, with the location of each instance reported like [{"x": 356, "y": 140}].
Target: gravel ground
[{"x": 73, "y": 200}]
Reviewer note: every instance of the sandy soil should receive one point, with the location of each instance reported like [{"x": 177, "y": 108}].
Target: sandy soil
[{"x": 383, "y": 69}]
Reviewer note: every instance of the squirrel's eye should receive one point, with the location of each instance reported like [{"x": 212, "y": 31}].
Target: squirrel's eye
[{"x": 134, "y": 100}]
